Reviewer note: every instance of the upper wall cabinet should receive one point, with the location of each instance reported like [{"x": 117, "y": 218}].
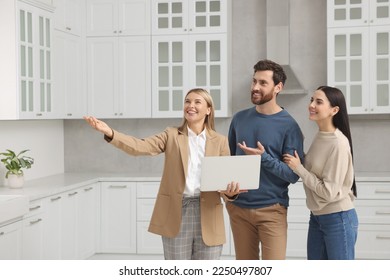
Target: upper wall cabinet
[
  {"x": 68, "y": 15},
  {"x": 118, "y": 17},
  {"x": 359, "y": 53},
  {"x": 189, "y": 16},
  {"x": 190, "y": 48},
  {"x": 344, "y": 13},
  {"x": 25, "y": 68}
]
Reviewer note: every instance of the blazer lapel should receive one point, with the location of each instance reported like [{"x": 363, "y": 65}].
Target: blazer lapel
[
  {"x": 212, "y": 148},
  {"x": 182, "y": 140}
]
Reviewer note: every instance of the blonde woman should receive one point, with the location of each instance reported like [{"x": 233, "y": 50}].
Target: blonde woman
[{"x": 190, "y": 222}]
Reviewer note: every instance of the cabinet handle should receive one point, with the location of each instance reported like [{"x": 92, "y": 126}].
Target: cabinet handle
[
  {"x": 69, "y": 114},
  {"x": 88, "y": 189},
  {"x": 383, "y": 237},
  {"x": 382, "y": 212},
  {"x": 72, "y": 194},
  {"x": 39, "y": 114},
  {"x": 55, "y": 198},
  {"x": 120, "y": 31},
  {"x": 36, "y": 221},
  {"x": 118, "y": 186},
  {"x": 382, "y": 191},
  {"x": 34, "y": 208},
  {"x": 2, "y": 233},
  {"x": 115, "y": 31},
  {"x": 68, "y": 28}
]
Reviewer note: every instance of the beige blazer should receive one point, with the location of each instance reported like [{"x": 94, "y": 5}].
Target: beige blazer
[{"x": 166, "y": 217}]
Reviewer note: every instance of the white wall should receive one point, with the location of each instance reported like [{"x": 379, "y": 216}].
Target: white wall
[{"x": 44, "y": 139}]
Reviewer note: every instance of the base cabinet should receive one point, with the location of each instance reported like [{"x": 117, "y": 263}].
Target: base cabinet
[
  {"x": 11, "y": 241},
  {"x": 118, "y": 216}
]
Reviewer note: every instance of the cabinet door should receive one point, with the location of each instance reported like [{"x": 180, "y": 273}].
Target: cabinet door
[
  {"x": 32, "y": 244},
  {"x": 53, "y": 228},
  {"x": 102, "y": 17},
  {"x": 67, "y": 16},
  {"x": 134, "y": 17},
  {"x": 11, "y": 241},
  {"x": 118, "y": 18},
  {"x": 344, "y": 13},
  {"x": 183, "y": 62},
  {"x": 118, "y": 217},
  {"x": 169, "y": 75},
  {"x": 37, "y": 97},
  {"x": 102, "y": 61},
  {"x": 88, "y": 217},
  {"x": 380, "y": 69},
  {"x": 68, "y": 75},
  {"x": 193, "y": 16},
  {"x": 134, "y": 77},
  {"x": 69, "y": 228},
  {"x": 348, "y": 66}
]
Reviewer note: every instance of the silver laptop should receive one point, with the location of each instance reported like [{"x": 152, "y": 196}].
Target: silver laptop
[{"x": 218, "y": 171}]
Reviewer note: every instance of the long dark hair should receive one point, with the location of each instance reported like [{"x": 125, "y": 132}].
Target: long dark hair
[{"x": 341, "y": 119}]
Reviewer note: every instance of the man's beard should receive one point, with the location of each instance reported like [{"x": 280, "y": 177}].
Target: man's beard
[{"x": 262, "y": 100}]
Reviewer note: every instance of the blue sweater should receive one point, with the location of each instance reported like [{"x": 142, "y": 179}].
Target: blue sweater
[{"x": 278, "y": 133}]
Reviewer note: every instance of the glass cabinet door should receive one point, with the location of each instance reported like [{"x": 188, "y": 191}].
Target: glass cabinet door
[
  {"x": 169, "y": 75},
  {"x": 348, "y": 12},
  {"x": 348, "y": 66},
  {"x": 190, "y": 16},
  {"x": 26, "y": 60},
  {"x": 379, "y": 12},
  {"x": 380, "y": 72},
  {"x": 45, "y": 82}
]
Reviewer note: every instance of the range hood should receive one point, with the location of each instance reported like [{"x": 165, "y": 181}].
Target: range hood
[{"x": 278, "y": 42}]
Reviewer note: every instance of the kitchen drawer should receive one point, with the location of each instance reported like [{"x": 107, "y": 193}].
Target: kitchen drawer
[
  {"x": 373, "y": 211},
  {"x": 145, "y": 208},
  {"x": 35, "y": 207},
  {"x": 374, "y": 190},
  {"x": 147, "y": 189},
  {"x": 373, "y": 242}
]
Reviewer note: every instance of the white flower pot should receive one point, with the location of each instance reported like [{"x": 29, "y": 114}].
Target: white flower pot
[{"x": 15, "y": 181}]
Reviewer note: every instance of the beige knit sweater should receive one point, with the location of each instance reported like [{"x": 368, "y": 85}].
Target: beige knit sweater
[{"x": 327, "y": 174}]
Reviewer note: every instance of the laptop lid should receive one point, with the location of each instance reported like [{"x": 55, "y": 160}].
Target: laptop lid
[{"x": 218, "y": 171}]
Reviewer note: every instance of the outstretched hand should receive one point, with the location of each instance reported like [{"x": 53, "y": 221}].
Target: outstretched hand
[
  {"x": 99, "y": 125},
  {"x": 252, "y": 151}
]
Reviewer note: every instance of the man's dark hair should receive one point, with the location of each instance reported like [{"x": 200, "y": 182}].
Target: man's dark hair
[{"x": 278, "y": 73}]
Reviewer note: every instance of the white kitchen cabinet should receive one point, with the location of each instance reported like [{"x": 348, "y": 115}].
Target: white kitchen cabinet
[
  {"x": 71, "y": 223},
  {"x": 359, "y": 54},
  {"x": 147, "y": 242},
  {"x": 372, "y": 207},
  {"x": 119, "y": 83},
  {"x": 53, "y": 227},
  {"x": 118, "y": 218},
  {"x": 26, "y": 56},
  {"x": 88, "y": 220},
  {"x": 348, "y": 13},
  {"x": 190, "y": 48},
  {"x": 32, "y": 232},
  {"x": 182, "y": 62},
  {"x": 68, "y": 16},
  {"x": 11, "y": 241},
  {"x": 189, "y": 16},
  {"x": 118, "y": 17},
  {"x": 69, "y": 75}
]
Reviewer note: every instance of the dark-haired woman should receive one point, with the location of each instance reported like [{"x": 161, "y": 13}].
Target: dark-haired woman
[{"x": 329, "y": 180}]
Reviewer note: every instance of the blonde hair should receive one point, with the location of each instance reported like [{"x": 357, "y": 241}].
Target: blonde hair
[{"x": 209, "y": 120}]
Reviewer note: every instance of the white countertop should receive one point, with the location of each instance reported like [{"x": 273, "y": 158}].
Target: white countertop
[{"x": 47, "y": 186}]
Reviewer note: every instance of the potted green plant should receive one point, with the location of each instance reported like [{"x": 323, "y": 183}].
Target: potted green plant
[{"x": 14, "y": 163}]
